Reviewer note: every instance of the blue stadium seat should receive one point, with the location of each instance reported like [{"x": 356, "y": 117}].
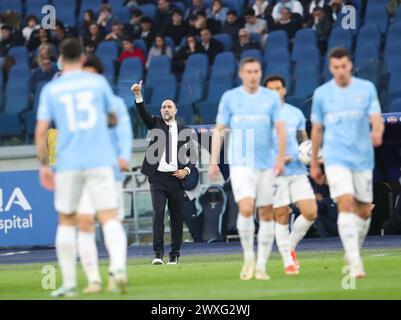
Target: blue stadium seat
[
  {"x": 181, "y": 6},
  {"x": 131, "y": 69},
  {"x": 255, "y": 37},
  {"x": 391, "y": 55},
  {"x": 308, "y": 54},
  {"x": 394, "y": 83},
  {"x": 395, "y": 105},
  {"x": 370, "y": 71},
  {"x": 67, "y": 16},
  {"x": 305, "y": 88},
  {"x": 16, "y": 97},
  {"x": 254, "y": 53},
  {"x": 159, "y": 65},
  {"x": 185, "y": 114},
  {"x": 10, "y": 5},
  {"x": 157, "y": 79},
  {"x": 10, "y": 126},
  {"x": 140, "y": 43},
  {"x": 148, "y": 10},
  {"x": 192, "y": 89},
  {"x": 365, "y": 54},
  {"x": 369, "y": 34},
  {"x": 107, "y": 50},
  {"x": 161, "y": 93},
  {"x": 34, "y": 7},
  {"x": 20, "y": 54},
  {"x": 89, "y": 4},
  {"x": 224, "y": 63},
  {"x": 197, "y": 63},
  {"x": 233, "y": 4},
  {"x": 116, "y": 3},
  {"x": 279, "y": 56},
  {"x": 397, "y": 17},
  {"x": 303, "y": 37},
  {"x": 109, "y": 70},
  {"x": 378, "y": 17},
  {"x": 277, "y": 39},
  {"x": 170, "y": 43},
  {"x": 122, "y": 14},
  {"x": 340, "y": 37},
  {"x": 374, "y": 5},
  {"x": 393, "y": 34},
  {"x": 225, "y": 40}
]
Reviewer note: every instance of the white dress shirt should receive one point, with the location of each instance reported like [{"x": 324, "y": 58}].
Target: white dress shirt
[{"x": 173, "y": 165}]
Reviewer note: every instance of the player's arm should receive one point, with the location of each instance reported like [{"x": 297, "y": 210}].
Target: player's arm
[
  {"x": 45, "y": 173},
  {"x": 281, "y": 142},
  {"x": 302, "y": 136},
  {"x": 146, "y": 117},
  {"x": 217, "y": 139},
  {"x": 317, "y": 138},
  {"x": 376, "y": 134},
  {"x": 124, "y": 139}
]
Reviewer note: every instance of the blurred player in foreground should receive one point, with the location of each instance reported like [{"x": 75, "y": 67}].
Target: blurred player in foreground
[
  {"x": 121, "y": 136},
  {"x": 348, "y": 110},
  {"x": 293, "y": 185},
  {"x": 250, "y": 112},
  {"x": 80, "y": 104}
]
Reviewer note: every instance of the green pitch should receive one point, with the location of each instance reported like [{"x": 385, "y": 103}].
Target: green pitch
[{"x": 217, "y": 277}]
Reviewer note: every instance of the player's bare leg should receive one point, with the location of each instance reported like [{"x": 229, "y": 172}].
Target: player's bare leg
[
  {"x": 246, "y": 232},
  {"x": 116, "y": 244},
  {"x": 265, "y": 241},
  {"x": 87, "y": 252},
  {"x": 348, "y": 231},
  {"x": 363, "y": 218},
  {"x": 283, "y": 239},
  {"x": 302, "y": 224},
  {"x": 66, "y": 250}
]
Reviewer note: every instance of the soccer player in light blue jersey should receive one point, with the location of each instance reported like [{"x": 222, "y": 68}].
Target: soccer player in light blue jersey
[
  {"x": 80, "y": 105},
  {"x": 346, "y": 117},
  {"x": 251, "y": 112},
  {"x": 121, "y": 136},
  {"x": 293, "y": 185}
]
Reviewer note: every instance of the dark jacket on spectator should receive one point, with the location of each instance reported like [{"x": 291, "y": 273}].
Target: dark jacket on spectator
[
  {"x": 215, "y": 47},
  {"x": 38, "y": 75},
  {"x": 177, "y": 32},
  {"x": 238, "y": 48},
  {"x": 232, "y": 29}
]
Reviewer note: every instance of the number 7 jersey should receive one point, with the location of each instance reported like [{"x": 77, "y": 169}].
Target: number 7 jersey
[{"x": 78, "y": 103}]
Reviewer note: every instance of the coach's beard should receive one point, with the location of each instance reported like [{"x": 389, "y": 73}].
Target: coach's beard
[{"x": 167, "y": 117}]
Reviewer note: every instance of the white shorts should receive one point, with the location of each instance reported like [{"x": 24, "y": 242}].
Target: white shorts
[
  {"x": 252, "y": 183},
  {"x": 86, "y": 207},
  {"x": 99, "y": 183},
  {"x": 343, "y": 181},
  {"x": 291, "y": 189}
]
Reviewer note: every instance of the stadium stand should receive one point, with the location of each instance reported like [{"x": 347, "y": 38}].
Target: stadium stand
[{"x": 375, "y": 42}]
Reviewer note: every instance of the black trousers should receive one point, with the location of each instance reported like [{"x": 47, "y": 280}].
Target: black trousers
[{"x": 166, "y": 188}]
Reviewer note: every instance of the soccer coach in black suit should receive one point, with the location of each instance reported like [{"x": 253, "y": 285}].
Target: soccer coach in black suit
[{"x": 168, "y": 161}]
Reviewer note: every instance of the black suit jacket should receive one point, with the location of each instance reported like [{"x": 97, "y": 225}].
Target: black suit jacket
[
  {"x": 186, "y": 153},
  {"x": 215, "y": 48}
]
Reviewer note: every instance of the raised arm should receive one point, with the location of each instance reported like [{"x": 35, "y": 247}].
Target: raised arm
[{"x": 146, "y": 117}]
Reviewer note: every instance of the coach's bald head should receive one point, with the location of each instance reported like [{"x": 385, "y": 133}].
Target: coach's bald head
[{"x": 168, "y": 110}]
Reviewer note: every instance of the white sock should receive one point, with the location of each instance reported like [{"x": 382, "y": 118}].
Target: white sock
[
  {"x": 363, "y": 229},
  {"x": 348, "y": 231},
  {"x": 87, "y": 251},
  {"x": 283, "y": 243},
  {"x": 116, "y": 244},
  {"x": 246, "y": 232},
  {"x": 265, "y": 243},
  {"x": 66, "y": 249},
  {"x": 299, "y": 229}
]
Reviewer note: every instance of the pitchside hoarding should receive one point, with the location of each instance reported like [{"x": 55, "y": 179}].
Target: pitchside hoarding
[{"x": 27, "y": 215}]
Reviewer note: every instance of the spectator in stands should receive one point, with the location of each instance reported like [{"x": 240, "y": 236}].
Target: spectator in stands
[
  {"x": 106, "y": 19},
  {"x": 160, "y": 48},
  {"x": 244, "y": 43},
  {"x": 37, "y": 38},
  {"x": 116, "y": 34},
  {"x": 134, "y": 25},
  {"x": 287, "y": 23},
  {"x": 31, "y": 25},
  {"x": 92, "y": 40},
  {"x": 336, "y": 6},
  {"x": 163, "y": 14},
  {"x": 191, "y": 46},
  {"x": 178, "y": 29},
  {"x": 89, "y": 18},
  {"x": 392, "y": 7},
  {"x": 201, "y": 22},
  {"x": 211, "y": 46},
  {"x": 59, "y": 34},
  {"x": 44, "y": 72},
  {"x": 232, "y": 25},
  {"x": 322, "y": 24},
  {"x": 218, "y": 12},
  {"x": 7, "y": 40},
  {"x": 294, "y": 5},
  {"x": 254, "y": 24},
  {"x": 197, "y": 6},
  {"x": 45, "y": 51},
  {"x": 260, "y": 6},
  {"x": 130, "y": 52},
  {"x": 146, "y": 33}
]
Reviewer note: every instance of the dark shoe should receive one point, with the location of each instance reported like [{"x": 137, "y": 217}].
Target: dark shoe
[
  {"x": 173, "y": 260},
  {"x": 158, "y": 260}
]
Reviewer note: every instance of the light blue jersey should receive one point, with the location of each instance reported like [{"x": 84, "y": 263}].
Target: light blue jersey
[
  {"x": 345, "y": 112},
  {"x": 294, "y": 121},
  {"x": 121, "y": 135},
  {"x": 251, "y": 118},
  {"x": 78, "y": 103}
]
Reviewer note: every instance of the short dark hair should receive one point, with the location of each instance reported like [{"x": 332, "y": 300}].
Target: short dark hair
[
  {"x": 136, "y": 13},
  {"x": 249, "y": 12},
  {"x": 246, "y": 60},
  {"x": 6, "y": 27},
  {"x": 70, "y": 49},
  {"x": 274, "y": 77},
  {"x": 232, "y": 12},
  {"x": 317, "y": 9},
  {"x": 94, "y": 62},
  {"x": 205, "y": 29},
  {"x": 31, "y": 17},
  {"x": 146, "y": 19},
  {"x": 127, "y": 38},
  {"x": 177, "y": 11},
  {"x": 105, "y": 7},
  {"x": 201, "y": 13},
  {"x": 339, "y": 52}
]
